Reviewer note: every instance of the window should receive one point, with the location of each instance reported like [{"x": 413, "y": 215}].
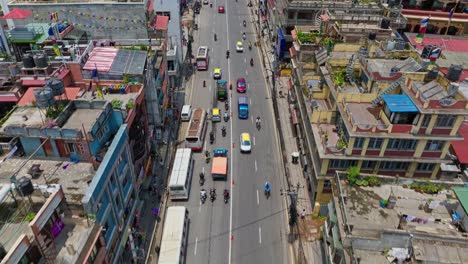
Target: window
[
  {"x": 434, "y": 145},
  {"x": 305, "y": 15},
  {"x": 401, "y": 144},
  {"x": 375, "y": 143},
  {"x": 426, "y": 120},
  {"x": 168, "y": 14},
  {"x": 170, "y": 65},
  {"x": 425, "y": 167},
  {"x": 358, "y": 143},
  {"x": 394, "y": 165},
  {"x": 72, "y": 148},
  {"x": 445, "y": 120},
  {"x": 368, "y": 164},
  {"x": 291, "y": 14},
  {"x": 327, "y": 186},
  {"x": 341, "y": 164},
  {"x": 102, "y": 132}
]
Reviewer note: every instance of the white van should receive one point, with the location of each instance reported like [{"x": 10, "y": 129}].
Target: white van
[{"x": 186, "y": 113}]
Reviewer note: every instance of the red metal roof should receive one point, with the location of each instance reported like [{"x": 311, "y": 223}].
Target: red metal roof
[
  {"x": 161, "y": 22},
  {"x": 461, "y": 147},
  {"x": 101, "y": 58},
  {"x": 150, "y": 6},
  {"x": 28, "y": 96},
  {"x": 445, "y": 43},
  {"x": 8, "y": 98},
  {"x": 34, "y": 83}
]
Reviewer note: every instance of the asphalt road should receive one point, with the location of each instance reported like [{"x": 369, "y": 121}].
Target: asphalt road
[{"x": 250, "y": 228}]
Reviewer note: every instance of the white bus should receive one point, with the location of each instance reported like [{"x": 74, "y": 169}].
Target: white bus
[
  {"x": 181, "y": 175},
  {"x": 174, "y": 239},
  {"x": 196, "y": 130}
]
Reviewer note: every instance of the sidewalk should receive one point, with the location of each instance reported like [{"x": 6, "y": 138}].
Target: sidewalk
[{"x": 308, "y": 244}]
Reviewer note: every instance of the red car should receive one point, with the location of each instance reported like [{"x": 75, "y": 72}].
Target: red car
[
  {"x": 241, "y": 85},
  {"x": 220, "y": 9}
]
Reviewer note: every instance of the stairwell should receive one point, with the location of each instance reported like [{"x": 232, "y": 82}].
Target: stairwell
[{"x": 392, "y": 87}]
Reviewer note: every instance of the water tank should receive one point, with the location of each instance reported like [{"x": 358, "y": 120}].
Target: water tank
[
  {"x": 57, "y": 87},
  {"x": 40, "y": 60},
  {"x": 385, "y": 24},
  {"x": 13, "y": 68},
  {"x": 454, "y": 72},
  {"x": 394, "y": 70},
  {"x": 400, "y": 45},
  {"x": 363, "y": 51},
  {"x": 44, "y": 97},
  {"x": 432, "y": 74},
  {"x": 391, "y": 45},
  {"x": 28, "y": 61},
  {"x": 426, "y": 52},
  {"x": 25, "y": 186},
  {"x": 372, "y": 36}
]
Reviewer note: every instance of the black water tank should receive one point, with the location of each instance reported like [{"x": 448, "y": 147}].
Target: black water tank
[
  {"x": 454, "y": 72},
  {"x": 28, "y": 61},
  {"x": 372, "y": 36},
  {"x": 426, "y": 52},
  {"x": 25, "y": 186},
  {"x": 385, "y": 24},
  {"x": 432, "y": 74},
  {"x": 3, "y": 252}
]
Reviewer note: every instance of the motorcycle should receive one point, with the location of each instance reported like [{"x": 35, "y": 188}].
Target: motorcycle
[
  {"x": 223, "y": 130},
  {"x": 258, "y": 124},
  {"x": 195, "y": 26},
  {"x": 226, "y": 105},
  {"x": 207, "y": 156},
  {"x": 250, "y": 45},
  {"x": 267, "y": 191},
  {"x": 243, "y": 36},
  {"x": 226, "y": 196},
  {"x": 251, "y": 62},
  {"x": 202, "y": 179},
  {"x": 215, "y": 38},
  {"x": 203, "y": 196},
  {"x": 245, "y": 24},
  {"x": 211, "y": 138},
  {"x": 226, "y": 116},
  {"x": 212, "y": 195},
  {"x": 227, "y": 54}
]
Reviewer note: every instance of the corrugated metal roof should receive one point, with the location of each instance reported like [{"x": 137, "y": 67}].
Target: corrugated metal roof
[
  {"x": 399, "y": 103},
  {"x": 461, "y": 147},
  {"x": 129, "y": 62},
  {"x": 462, "y": 195}
]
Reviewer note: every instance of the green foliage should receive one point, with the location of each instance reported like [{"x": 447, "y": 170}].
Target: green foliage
[
  {"x": 341, "y": 144},
  {"x": 29, "y": 217},
  {"x": 427, "y": 187},
  {"x": 373, "y": 180},
  {"x": 130, "y": 105},
  {"x": 126, "y": 78},
  {"x": 362, "y": 183},
  {"x": 339, "y": 77},
  {"x": 353, "y": 175},
  {"x": 305, "y": 38},
  {"x": 53, "y": 112},
  {"x": 116, "y": 103}
]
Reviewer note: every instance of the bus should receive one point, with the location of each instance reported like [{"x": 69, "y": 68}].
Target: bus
[
  {"x": 181, "y": 175},
  {"x": 175, "y": 236},
  {"x": 202, "y": 58},
  {"x": 196, "y": 131}
]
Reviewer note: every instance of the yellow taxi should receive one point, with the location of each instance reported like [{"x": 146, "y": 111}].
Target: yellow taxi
[
  {"x": 217, "y": 73},
  {"x": 215, "y": 115},
  {"x": 239, "y": 46},
  {"x": 245, "y": 144}
]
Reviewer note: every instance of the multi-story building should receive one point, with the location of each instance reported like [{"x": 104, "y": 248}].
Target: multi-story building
[
  {"x": 282, "y": 16},
  {"x": 439, "y": 13},
  {"x": 392, "y": 221},
  {"x": 382, "y": 114}
]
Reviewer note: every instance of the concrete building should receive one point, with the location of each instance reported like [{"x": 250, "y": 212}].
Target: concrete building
[
  {"x": 438, "y": 11},
  {"x": 45, "y": 222},
  {"x": 112, "y": 20},
  {"x": 374, "y": 111},
  {"x": 282, "y": 16},
  {"x": 392, "y": 222}
]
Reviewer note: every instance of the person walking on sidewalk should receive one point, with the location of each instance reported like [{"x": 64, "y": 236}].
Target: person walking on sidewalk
[{"x": 303, "y": 214}]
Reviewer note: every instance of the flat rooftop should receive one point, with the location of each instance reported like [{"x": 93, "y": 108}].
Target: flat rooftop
[
  {"x": 82, "y": 118},
  {"x": 73, "y": 177},
  {"x": 384, "y": 66},
  {"x": 25, "y": 117},
  {"x": 364, "y": 213},
  {"x": 364, "y": 114},
  {"x": 124, "y": 98}
]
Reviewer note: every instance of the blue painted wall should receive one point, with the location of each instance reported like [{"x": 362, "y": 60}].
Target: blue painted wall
[{"x": 31, "y": 144}]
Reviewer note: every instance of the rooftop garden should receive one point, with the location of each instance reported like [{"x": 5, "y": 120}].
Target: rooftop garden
[{"x": 307, "y": 38}]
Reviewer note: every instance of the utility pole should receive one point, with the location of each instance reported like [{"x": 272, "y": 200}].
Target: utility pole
[{"x": 293, "y": 218}]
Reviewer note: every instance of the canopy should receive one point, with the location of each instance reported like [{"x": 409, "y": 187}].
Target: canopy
[{"x": 17, "y": 13}]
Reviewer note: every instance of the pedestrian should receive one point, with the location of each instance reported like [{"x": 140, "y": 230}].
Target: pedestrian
[{"x": 303, "y": 214}]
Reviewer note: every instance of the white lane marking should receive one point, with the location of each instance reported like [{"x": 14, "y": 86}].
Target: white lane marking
[
  {"x": 199, "y": 206},
  {"x": 196, "y": 244},
  {"x": 258, "y": 198},
  {"x": 232, "y": 160},
  {"x": 246, "y": 72},
  {"x": 260, "y": 234},
  {"x": 203, "y": 170},
  {"x": 255, "y": 165},
  {"x": 251, "y": 118},
  {"x": 250, "y": 100},
  {"x": 254, "y": 141},
  {"x": 209, "y": 88},
  {"x": 245, "y": 60}
]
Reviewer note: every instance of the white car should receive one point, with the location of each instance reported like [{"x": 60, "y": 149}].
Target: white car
[
  {"x": 245, "y": 144},
  {"x": 239, "y": 46}
]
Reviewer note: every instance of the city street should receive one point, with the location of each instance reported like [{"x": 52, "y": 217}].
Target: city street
[{"x": 250, "y": 228}]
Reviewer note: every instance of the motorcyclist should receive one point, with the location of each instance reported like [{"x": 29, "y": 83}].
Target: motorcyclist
[
  {"x": 267, "y": 187},
  {"x": 215, "y": 37},
  {"x": 223, "y": 129},
  {"x": 226, "y": 193},
  {"x": 227, "y": 53},
  {"x": 203, "y": 193},
  {"x": 250, "y": 45},
  {"x": 243, "y": 35},
  {"x": 226, "y": 115},
  {"x": 213, "y": 192},
  {"x": 244, "y": 23},
  {"x": 257, "y": 121},
  {"x": 202, "y": 175},
  {"x": 251, "y": 61}
]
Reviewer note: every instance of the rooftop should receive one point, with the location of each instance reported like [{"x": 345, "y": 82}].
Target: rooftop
[
  {"x": 365, "y": 214},
  {"x": 25, "y": 117},
  {"x": 384, "y": 66},
  {"x": 461, "y": 147},
  {"x": 73, "y": 177},
  {"x": 364, "y": 114},
  {"x": 118, "y": 61},
  {"x": 28, "y": 98},
  {"x": 82, "y": 118},
  {"x": 398, "y": 103}
]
